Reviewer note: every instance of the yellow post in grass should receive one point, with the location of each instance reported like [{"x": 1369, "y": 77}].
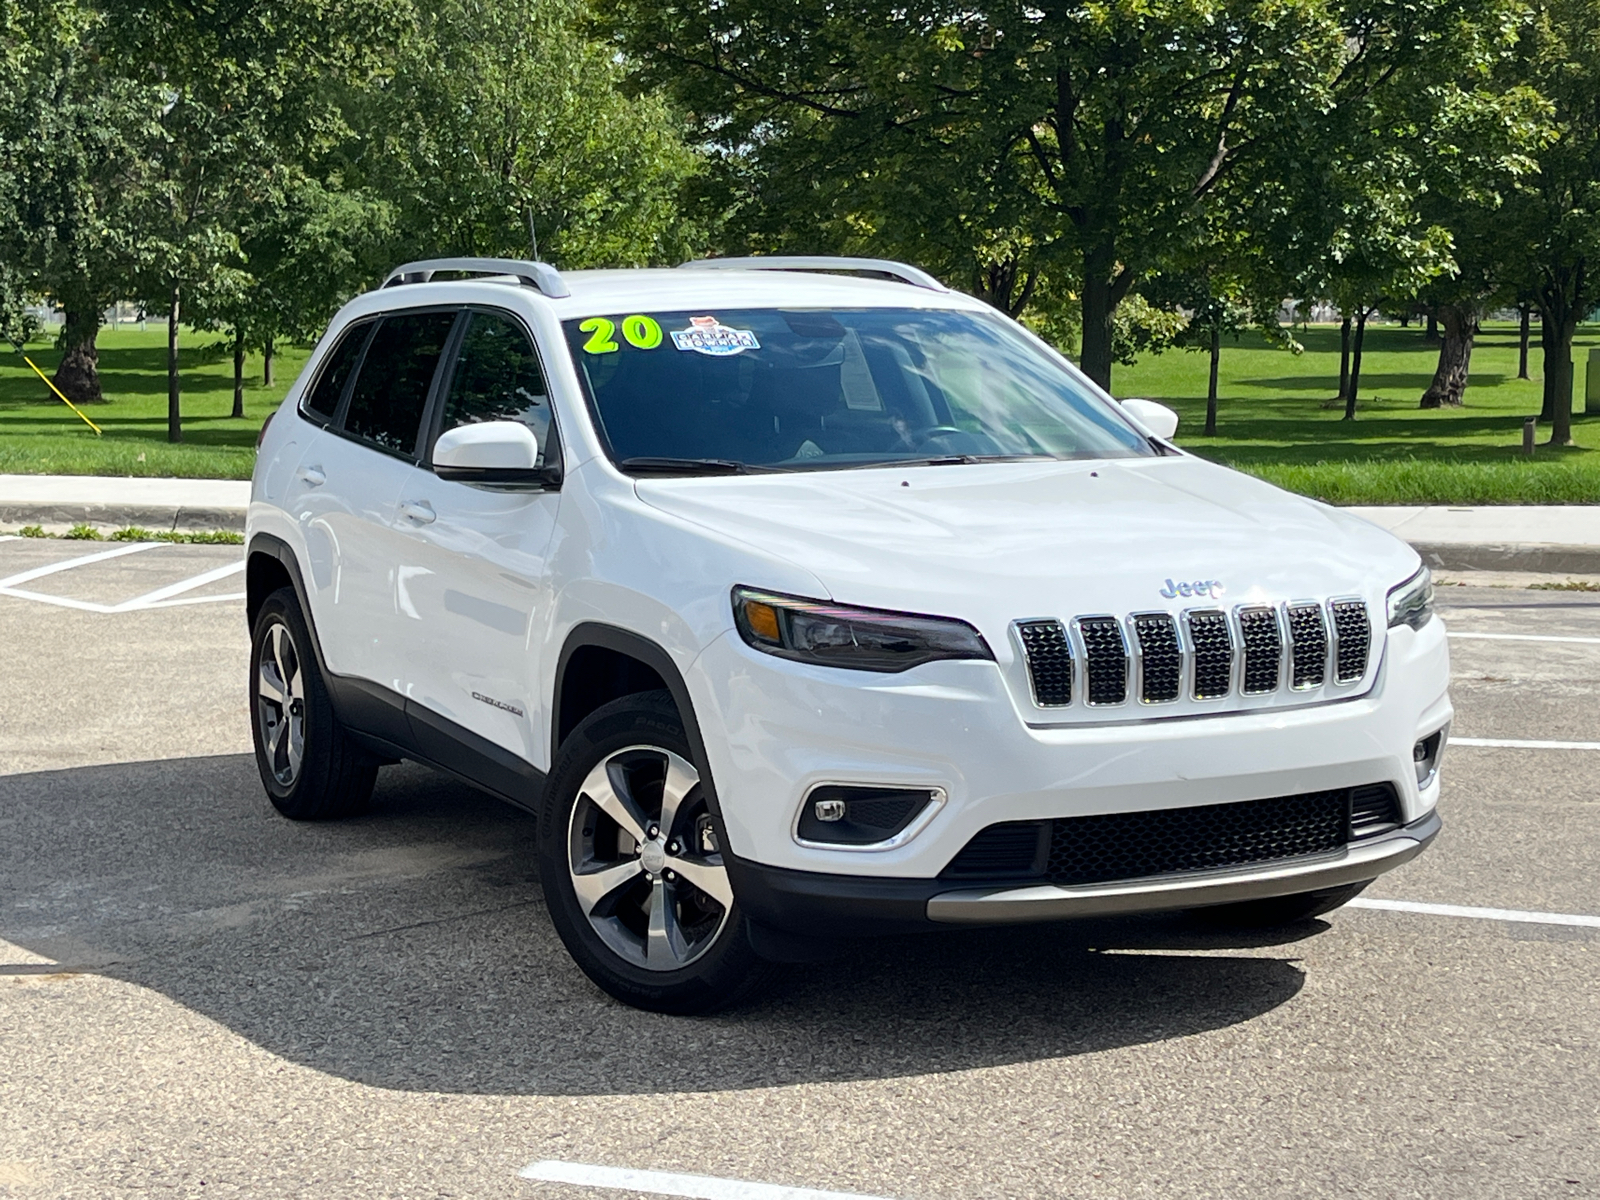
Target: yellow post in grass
[{"x": 57, "y": 391}]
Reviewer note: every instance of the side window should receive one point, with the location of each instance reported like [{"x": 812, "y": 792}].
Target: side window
[
  {"x": 389, "y": 395},
  {"x": 322, "y": 402},
  {"x": 497, "y": 378}
]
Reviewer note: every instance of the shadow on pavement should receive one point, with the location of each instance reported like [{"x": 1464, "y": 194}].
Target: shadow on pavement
[{"x": 410, "y": 949}]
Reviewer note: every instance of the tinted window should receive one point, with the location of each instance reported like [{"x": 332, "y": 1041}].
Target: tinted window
[
  {"x": 497, "y": 378},
  {"x": 389, "y": 395},
  {"x": 323, "y": 400},
  {"x": 813, "y": 390}
]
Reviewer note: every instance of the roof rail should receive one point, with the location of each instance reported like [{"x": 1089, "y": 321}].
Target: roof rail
[
  {"x": 538, "y": 275},
  {"x": 881, "y": 267}
]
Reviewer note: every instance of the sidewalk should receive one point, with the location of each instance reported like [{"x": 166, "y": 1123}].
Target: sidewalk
[
  {"x": 57, "y": 501},
  {"x": 1556, "y": 539}
]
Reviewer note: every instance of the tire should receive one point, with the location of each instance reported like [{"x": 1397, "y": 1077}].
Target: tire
[
  {"x": 310, "y": 767},
  {"x": 646, "y": 912},
  {"x": 1277, "y": 911}
]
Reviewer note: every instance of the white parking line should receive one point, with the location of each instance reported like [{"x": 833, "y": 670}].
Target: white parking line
[
  {"x": 1525, "y": 637},
  {"x": 663, "y": 1183},
  {"x": 152, "y": 599},
  {"x": 1522, "y": 744},
  {"x": 1479, "y": 914},
  {"x": 161, "y": 597},
  {"x": 11, "y": 581}
]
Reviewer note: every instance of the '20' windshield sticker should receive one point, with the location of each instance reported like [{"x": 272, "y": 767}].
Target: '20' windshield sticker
[
  {"x": 707, "y": 335},
  {"x": 639, "y": 331}
]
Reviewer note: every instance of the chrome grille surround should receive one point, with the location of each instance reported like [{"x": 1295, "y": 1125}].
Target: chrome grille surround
[
  {"x": 1160, "y": 656},
  {"x": 1105, "y": 660},
  {"x": 1253, "y": 654}
]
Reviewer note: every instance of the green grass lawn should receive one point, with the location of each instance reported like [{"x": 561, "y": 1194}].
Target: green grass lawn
[
  {"x": 40, "y": 435},
  {"x": 1276, "y": 418}
]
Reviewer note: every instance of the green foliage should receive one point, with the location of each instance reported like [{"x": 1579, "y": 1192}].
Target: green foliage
[{"x": 84, "y": 533}]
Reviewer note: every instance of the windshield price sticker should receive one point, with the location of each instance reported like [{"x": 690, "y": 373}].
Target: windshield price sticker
[{"x": 707, "y": 335}]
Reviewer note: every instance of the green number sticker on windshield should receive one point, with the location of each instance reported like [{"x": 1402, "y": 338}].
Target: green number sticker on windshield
[
  {"x": 600, "y": 331},
  {"x": 641, "y": 331}
]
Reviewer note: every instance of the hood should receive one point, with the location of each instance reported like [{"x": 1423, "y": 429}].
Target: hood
[{"x": 995, "y": 542}]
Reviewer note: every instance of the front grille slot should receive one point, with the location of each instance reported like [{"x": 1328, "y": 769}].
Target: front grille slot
[
  {"x": 1213, "y": 654},
  {"x": 1373, "y": 810},
  {"x": 1105, "y": 659},
  {"x": 1160, "y": 658},
  {"x": 1354, "y": 632},
  {"x": 1118, "y": 846},
  {"x": 1263, "y": 650},
  {"x": 1308, "y": 637},
  {"x": 1049, "y": 655}
]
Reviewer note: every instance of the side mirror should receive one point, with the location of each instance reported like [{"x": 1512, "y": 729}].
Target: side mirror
[
  {"x": 1158, "y": 419},
  {"x": 496, "y": 452}
]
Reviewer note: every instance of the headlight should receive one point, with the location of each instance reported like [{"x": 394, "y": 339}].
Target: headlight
[
  {"x": 862, "y": 639},
  {"x": 1412, "y": 602}
]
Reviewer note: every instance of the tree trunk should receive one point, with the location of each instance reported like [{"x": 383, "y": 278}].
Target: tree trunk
[
  {"x": 1522, "y": 351},
  {"x": 238, "y": 373},
  {"x": 1355, "y": 363},
  {"x": 1547, "y": 343},
  {"x": 1344, "y": 357},
  {"x": 1455, "y": 357},
  {"x": 174, "y": 418},
  {"x": 266, "y": 364},
  {"x": 1430, "y": 335},
  {"x": 1216, "y": 362},
  {"x": 78, "y": 375},
  {"x": 1558, "y": 322},
  {"x": 1104, "y": 286}
]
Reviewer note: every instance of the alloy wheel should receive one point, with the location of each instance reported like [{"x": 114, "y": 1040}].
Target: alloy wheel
[
  {"x": 280, "y": 705},
  {"x": 644, "y": 860}
]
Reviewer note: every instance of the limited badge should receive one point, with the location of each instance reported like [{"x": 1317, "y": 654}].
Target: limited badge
[{"x": 707, "y": 335}]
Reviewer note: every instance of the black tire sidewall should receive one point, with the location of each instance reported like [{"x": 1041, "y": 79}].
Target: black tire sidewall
[{"x": 723, "y": 974}]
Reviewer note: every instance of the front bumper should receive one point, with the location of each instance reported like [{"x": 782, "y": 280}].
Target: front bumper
[{"x": 826, "y": 907}]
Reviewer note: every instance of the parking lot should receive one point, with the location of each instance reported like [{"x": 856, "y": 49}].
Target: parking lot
[{"x": 198, "y": 997}]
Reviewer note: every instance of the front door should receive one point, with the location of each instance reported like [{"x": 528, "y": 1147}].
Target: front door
[{"x": 472, "y": 586}]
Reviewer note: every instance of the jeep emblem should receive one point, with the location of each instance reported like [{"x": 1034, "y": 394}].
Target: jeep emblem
[{"x": 1200, "y": 587}]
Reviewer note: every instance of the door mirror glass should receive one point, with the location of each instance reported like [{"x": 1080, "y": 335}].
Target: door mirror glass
[
  {"x": 503, "y": 452},
  {"x": 1157, "y": 418}
]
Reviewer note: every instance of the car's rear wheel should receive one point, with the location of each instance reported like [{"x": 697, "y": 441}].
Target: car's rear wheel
[
  {"x": 1276, "y": 911},
  {"x": 311, "y": 769},
  {"x": 632, "y": 865}
]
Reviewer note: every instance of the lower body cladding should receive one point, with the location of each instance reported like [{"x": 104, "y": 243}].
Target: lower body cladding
[{"x": 1036, "y": 823}]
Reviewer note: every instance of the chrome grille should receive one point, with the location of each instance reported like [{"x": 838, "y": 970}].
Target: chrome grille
[
  {"x": 1105, "y": 659},
  {"x": 1309, "y": 638},
  {"x": 1302, "y": 646},
  {"x": 1213, "y": 654},
  {"x": 1263, "y": 650},
  {"x": 1354, "y": 634},
  {"x": 1160, "y": 658},
  {"x": 1049, "y": 656}
]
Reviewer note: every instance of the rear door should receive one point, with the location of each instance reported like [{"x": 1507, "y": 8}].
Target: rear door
[
  {"x": 473, "y": 590},
  {"x": 352, "y": 475}
]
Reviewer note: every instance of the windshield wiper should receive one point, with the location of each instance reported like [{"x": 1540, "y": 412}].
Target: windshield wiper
[{"x": 656, "y": 465}]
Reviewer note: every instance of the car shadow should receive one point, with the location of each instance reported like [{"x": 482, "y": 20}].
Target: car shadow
[{"x": 409, "y": 948}]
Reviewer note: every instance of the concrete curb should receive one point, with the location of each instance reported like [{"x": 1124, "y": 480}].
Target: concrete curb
[
  {"x": 157, "y": 518},
  {"x": 1534, "y": 557}
]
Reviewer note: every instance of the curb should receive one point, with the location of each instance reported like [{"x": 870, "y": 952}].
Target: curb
[
  {"x": 1549, "y": 558},
  {"x": 156, "y": 517}
]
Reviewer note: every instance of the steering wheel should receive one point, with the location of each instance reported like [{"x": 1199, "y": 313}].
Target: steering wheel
[{"x": 927, "y": 435}]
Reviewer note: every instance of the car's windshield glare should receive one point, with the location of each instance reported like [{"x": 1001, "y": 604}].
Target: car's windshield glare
[{"x": 809, "y": 389}]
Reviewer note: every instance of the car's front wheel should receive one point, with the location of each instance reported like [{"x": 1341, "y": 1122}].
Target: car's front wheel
[{"x": 633, "y": 869}]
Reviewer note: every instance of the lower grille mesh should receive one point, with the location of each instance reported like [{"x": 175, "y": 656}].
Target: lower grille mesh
[{"x": 1114, "y": 846}]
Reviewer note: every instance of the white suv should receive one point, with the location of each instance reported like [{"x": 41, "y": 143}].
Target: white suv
[{"x": 804, "y": 599}]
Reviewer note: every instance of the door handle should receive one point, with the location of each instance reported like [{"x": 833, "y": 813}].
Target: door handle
[
  {"x": 419, "y": 511},
  {"x": 311, "y": 475}
]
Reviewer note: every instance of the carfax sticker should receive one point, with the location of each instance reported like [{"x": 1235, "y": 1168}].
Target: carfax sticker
[{"x": 707, "y": 335}]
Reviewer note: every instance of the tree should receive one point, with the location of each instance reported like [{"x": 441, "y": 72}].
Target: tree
[{"x": 1554, "y": 221}]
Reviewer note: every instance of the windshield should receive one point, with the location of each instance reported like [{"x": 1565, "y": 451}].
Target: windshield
[{"x": 778, "y": 389}]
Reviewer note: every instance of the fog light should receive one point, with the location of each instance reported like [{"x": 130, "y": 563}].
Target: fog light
[
  {"x": 1425, "y": 757},
  {"x": 841, "y": 815}
]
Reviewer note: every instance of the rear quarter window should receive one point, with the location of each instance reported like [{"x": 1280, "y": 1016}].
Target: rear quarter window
[{"x": 322, "y": 400}]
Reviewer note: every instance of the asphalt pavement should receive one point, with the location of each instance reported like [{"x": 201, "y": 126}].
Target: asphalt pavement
[{"x": 199, "y": 998}]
